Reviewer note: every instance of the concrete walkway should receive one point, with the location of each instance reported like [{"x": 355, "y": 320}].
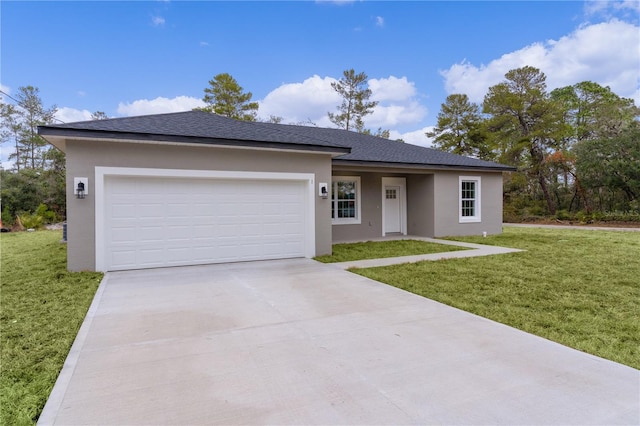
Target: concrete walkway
[
  {"x": 300, "y": 342},
  {"x": 475, "y": 250}
]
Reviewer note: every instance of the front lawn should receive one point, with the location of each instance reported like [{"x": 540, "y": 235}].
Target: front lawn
[
  {"x": 580, "y": 288},
  {"x": 41, "y": 310},
  {"x": 379, "y": 249}
]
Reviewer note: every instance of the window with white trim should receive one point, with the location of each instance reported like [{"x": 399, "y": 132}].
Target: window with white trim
[
  {"x": 469, "y": 199},
  {"x": 345, "y": 200}
]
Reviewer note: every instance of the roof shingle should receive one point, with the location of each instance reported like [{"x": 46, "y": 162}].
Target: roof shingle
[{"x": 204, "y": 127}]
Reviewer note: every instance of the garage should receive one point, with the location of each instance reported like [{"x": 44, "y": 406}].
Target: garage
[{"x": 163, "y": 221}]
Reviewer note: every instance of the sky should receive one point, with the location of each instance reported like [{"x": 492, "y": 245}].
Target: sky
[{"x": 144, "y": 57}]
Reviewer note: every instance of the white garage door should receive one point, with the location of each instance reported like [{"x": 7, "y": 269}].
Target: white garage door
[{"x": 155, "y": 222}]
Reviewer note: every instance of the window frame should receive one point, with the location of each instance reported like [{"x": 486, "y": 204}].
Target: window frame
[
  {"x": 477, "y": 217},
  {"x": 335, "y": 220}
]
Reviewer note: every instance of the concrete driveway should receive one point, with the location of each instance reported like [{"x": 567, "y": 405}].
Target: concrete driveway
[{"x": 299, "y": 342}]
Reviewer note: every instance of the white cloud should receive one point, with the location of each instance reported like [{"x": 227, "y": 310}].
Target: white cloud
[
  {"x": 389, "y": 116},
  {"x": 314, "y": 98},
  {"x": 379, "y": 21},
  {"x": 204, "y": 44},
  {"x": 70, "y": 115},
  {"x": 607, "y": 7},
  {"x": 397, "y": 103},
  {"x": 159, "y": 105},
  {"x": 81, "y": 93},
  {"x": 391, "y": 89},
  {"x": 600, "y": 52},
  {"x": 415, "y": 137},
  {"x": 157, "y": 21},
  {"x": 298, "y": 102}
]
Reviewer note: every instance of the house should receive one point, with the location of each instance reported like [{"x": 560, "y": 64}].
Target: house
[{"x": 192, "y": 188}]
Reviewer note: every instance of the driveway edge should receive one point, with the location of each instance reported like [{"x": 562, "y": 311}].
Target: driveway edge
[{"x": 54, "y": 402}]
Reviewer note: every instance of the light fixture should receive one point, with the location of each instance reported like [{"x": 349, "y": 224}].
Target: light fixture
[
  {"x": 80, "y": 190},
  {"x": 323, "y": 192},
  {"x": 81, "y": 187}
]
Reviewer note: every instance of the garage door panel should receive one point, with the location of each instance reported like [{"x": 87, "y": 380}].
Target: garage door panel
[
  {"x": 207, "y": 209},
  {"x": 122, "y": 234},
  {"x": 150, "y": 258},
  {"x": 204, "y": 231},
  {"x": 124, "y": 210},
  {"x": 151, "y": 222},
  {"x": 125, "y": 258},
  {"x": 180, "y": 254},
  {"x": 150, "y": 233},
  {"x": 251, "y": 229}
]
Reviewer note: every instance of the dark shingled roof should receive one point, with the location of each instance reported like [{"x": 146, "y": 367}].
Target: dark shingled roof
[
  {"x": 206, "y": 128},
  {"x": 189, "y": 127},
  {"x": 371, "y": 149}
]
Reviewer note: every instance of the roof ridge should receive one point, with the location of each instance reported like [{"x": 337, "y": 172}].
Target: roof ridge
[{"x": 279, "y": 128}]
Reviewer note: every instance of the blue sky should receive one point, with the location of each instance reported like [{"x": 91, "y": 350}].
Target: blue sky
[{"x": 131, "y": 58}]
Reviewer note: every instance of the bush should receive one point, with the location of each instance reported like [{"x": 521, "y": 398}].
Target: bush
[
  {"x": 28, "y": 220},
  {"x": 48, "y": 216},
  {"x": 564, "y": 215},
  {"x": 21, "y": 191},
  {"x": 31, "y": 221},
  {"x": 7, "y": 218}
]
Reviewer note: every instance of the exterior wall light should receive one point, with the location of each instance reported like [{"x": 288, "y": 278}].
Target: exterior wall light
[
  {"x": 81, "y": 187},
  {"x": 323, "y": 191}
]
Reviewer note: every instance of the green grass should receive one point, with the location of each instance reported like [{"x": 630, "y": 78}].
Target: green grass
[
  {"x": 580, "y": 288},
  {"x": 376, "y": 250},
  {"x": 42, "y": 306}
]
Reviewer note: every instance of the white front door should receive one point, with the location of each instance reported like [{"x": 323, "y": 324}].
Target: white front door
[
  {"x": 392, "y": 221},
  {"x": 394, "y": 205}
]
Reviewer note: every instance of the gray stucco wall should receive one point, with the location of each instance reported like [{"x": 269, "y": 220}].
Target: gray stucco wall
[
  {"x": 82, "y": 157},
  {"x": 432, "y": 205},
  {"x": 370, "y": 210},
  {"x": 419, "y": 189},
  {"x": 420, "y": 220},
  {"x": 446, "y": 193}
]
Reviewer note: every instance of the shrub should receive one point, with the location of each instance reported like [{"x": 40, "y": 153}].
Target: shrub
[
  {"x": 563, "y": 215},
  {"x": 31, "y": 220},
  {"x": 7, "y": 218},
  {"x": 584, "y": 217},
  {"x": 48, "y": 216}
]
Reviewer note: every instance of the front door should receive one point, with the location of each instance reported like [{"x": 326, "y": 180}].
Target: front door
[{"x": 392, "y": 221}]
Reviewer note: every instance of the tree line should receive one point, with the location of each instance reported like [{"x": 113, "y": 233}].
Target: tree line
[
  {"x": 576, "y": 148},
  {"x": 34, "y": 188}
]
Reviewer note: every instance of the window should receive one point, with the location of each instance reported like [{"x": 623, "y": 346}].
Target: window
[
  {"x": 469, "y": 199},
  {"x": 391, "y": 194},
  {"x": 345, "y": 200}
]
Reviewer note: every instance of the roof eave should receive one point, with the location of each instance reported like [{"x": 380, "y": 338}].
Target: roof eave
[
  {"x": 56, "y": 136},
  {"x": 418, "y": 166}
]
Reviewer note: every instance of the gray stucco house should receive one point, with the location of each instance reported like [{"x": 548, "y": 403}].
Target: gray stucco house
[{"x": 192, "y": 188}]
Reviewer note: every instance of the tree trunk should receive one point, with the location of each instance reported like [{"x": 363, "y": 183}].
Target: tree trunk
[
  {"x": 545, "y": 190},
  {"x": 580, "y": 190},
  {"x": 537, "y": 159},
  {"x": 17, "y": 153}
]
